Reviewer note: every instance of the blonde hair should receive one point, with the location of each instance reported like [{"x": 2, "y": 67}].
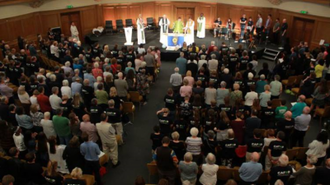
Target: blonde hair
[
  {"x": 76, "y": 173},
  {"x": 34, "y": 108},
  {"x": 175, "y": 135},
  {"x": 188, "y": 73},
  {"x": 113, "y": 92},
  {"x": 21, "y": 90}
]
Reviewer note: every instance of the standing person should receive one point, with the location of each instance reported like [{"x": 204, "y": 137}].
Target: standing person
[
  {"x": 89, "y": 128},
  {"x": 276, "y": 31},
  {"x": 166, "y": 160},
  {"x": 281, "y": 172},
  {"x": 121, "y": 86},
  {"x": 242, "y": 21},
  {"x": 188, "y": 170},
  {"x": 181, "y": 63},
  {"x": 322, "y": 173},
  {"x": 91, "y": 151},
  {"x": 251, "y": 123},
  {"x": 62, "y": 128},
  {"x": 176, "y": 80},
  {"x": 201, "y": 26},
  {"x": 114, "y": 118},
  {"x": 268, "y": 24},
  {"x": 275, "y": 150},
  {"x": 189, "y": 30},
  {"x": 298, "y": 108},
  {"x": 305, "y": 175},
  {"x": 140, "y": 30},
  {"x": 319, "y": 146},
  {"x": 250, "y": 171},
  {"x": 74, "y": 31},
  {"x": 164, "y": 23},
  {"x": 284, "y": 29},
  {"x": 108, "y": 138},
  {"x": 151, "y": 63},
  {"x": 259, "y": 24},
  {"x": 210, "y": 170},
  {"x": 300, "y": 127}
]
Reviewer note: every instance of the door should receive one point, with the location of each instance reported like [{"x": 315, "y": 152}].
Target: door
[
  {"x": 66, "y": 20},
  {"x": 185, "y": 13},
  {"x": 303, "y": 30}
]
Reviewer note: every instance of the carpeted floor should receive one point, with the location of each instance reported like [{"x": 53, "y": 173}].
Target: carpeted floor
[{"x": 136, "y": 152}]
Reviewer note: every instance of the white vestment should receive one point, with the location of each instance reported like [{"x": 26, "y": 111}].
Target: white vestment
[
  {"x": 189, "y": 30},
  {"x": 140, "y": 32},
  {"x": 74, "y": 32},
  {"x": 163, "y": 24},
  {"x": 201, "y": 27}
]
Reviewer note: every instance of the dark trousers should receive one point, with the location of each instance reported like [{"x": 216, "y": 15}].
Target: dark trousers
[
  {"x": 275, "y": 38},
  {"x": 246, "y": 183},
  {"x": 93, "y": 167},
  {"x": 274, "y": 97},
  {"x": 298, "y": 136},
  {"x": 283, "y": 39}
]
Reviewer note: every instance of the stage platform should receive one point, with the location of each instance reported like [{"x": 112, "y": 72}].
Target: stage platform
[{"x": 152, "y": 39}]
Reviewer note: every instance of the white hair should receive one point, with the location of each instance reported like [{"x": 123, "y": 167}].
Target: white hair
[
  {"x": 107, "y": 60},
  {"x": 250, "y": 75},
  {"x": 210, "y": 158},
  {"x": 143, "y": 64},
  {"x": 223, "y": 84},
  {"x": 212, "y": 42},
  {"x": 203, "y": 57},
  {"x": 65, "y": 82},
  {"x": 262, "y": 77},
  {"x": 312, "y": 159},
  {"x": 96, "y": 65},
  {"x": 52, "y": 77},
  {"x": 67, "y": 64},
  {"x": 188, "y": 157},
  {"x": 194, "y": 131},
  {"x": 47, "y": 115},
  {"x": 99, "y": 79},
  {"x": 283, "y": 160}
]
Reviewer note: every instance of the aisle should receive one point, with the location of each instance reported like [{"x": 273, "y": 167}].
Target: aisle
[{"x": 136, "y": 153}]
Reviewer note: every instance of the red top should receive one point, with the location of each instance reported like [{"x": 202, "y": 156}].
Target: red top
[
  {"x": 97, "y": 72},
  {"x": 237, "y": 126},
  {"x": 43, "y": 102},
  {"x": 210, "y": 49}
]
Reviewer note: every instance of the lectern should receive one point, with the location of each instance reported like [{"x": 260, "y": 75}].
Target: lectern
[{"x": 128, "y": 36}]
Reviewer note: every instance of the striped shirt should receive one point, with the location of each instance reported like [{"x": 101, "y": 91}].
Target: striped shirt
[{"x": 194, "y": 145}]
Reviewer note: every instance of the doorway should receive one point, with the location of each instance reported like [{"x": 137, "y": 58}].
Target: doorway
[
  {"x": 66, "y": 19},
  {"x": 185, "y": 13},
  {"x": 302, "y": 30}
]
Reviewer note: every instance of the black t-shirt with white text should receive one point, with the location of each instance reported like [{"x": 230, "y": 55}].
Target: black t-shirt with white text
[
  {"x": 277, "y": 148},
  {"x": 255, "y": 145},
  {"x": 282, "y": 173}
]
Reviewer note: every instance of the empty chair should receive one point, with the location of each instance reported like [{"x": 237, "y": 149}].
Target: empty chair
[
  {"x": 108, "y": 26},
  {"x": 119, "y": 25},
  {"x": 128, "y": 22},
  {"x": 150, "y": 23}
]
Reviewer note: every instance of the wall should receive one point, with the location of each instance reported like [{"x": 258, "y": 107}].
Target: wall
[{"x": 94, "y": 15}]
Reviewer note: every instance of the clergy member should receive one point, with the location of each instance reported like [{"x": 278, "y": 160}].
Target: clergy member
[
  {"x": 201, "y": 26},
  {"x": 74, "y": 31},
  {"x": 189, "y": 30},
  {"x": 178, "y": 26},
  {"x": 140, "y": 30},
  {"x": 164, "y": 23}
]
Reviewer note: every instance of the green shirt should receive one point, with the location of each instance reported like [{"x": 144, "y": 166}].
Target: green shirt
[
  {"x": 102, "y": 97},
  {"x": 61, "y": 125},
  {"x": 280, "y": 111},
  {"x": 178, "y": 27}
]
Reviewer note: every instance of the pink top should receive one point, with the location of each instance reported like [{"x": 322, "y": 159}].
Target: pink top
[
  {"x": 191, "y": 80},
  {"x": 185, "y": 91}
]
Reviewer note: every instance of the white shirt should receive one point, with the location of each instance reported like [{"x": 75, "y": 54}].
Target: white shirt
[
  {"x": 201, "y": 63},
  {"x": 66, "y": 90},
  {"x": 24, "y": 98},
  {"x": 54, "y": 51},
  {"x": 74, "y": 30},
  {"x": 213, "y": 64},
  {"x": 33, "y": 100},
  {"x": 250, "y": 97},
  {"x": 209, "y": 175},
  {"x": 48, "y": 127},
  {"x": 138, "y": 64},
  {"x": 19, "y": 142},
  {"x": 55, "y": 101}
]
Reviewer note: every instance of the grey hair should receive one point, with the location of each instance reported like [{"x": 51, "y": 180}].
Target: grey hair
[
  {"x": 52, "y": 77},
  {"x": 188, "y": 157},
  {"x": 212, "y": 42},
  {"x": 47, "y": 115},
  {"x": 262, "y": 77},
  {"x": 203, "y": 57},
  {"x": 223, "y": 84},
  {"x": 210, "y": 159},
  {"x": 67, "y": 64},
  {"x": 54, "y": 89},
  {"x": 279, "y": 182},
  {"x": 111, "y": 103},
  {"x": 77, "y": 71},
  {"x": 213, "y": 56},
  {"x": 129, "y": 64},
  {"x": 181, "y": 54},
  {"x": 312, "y": 159},
  {"x": 283, "y": 160}
]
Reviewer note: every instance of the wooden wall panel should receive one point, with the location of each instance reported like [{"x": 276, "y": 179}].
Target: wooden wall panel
[
  {"x": 167, "y": 9},
  {"x": 88, "y": 20},
  {"x": 30, "y": 25},
  {"x": 49, "y": 21},
  {"x": 4, "y": 31},
  {"x": 321, "y": 31},
  {"x": 209, "y": 12},
  {"x": 223, "y": 13},
  {"x": 148, "y": 10},
  {"x": 235, "y": 15},
  {"x": 15, "y": 28},
  {"x": 121, "y": 12},
  {"x": 134, "y": 12},
  {"x": 109, "y": 14}
]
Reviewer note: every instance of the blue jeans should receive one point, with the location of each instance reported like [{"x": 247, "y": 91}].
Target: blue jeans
[
  {"x": 242, "y": 30},
  {"x": 64, "y": 140}
]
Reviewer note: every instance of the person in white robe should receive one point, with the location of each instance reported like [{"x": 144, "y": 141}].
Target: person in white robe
[
  {"x": 74, "y": 31},
  {"x": 189, "y": 31},
  {"x": 141, "y": 38},
  {"x": 164, "y": 23},
  {"x": 201, "y": 26}
]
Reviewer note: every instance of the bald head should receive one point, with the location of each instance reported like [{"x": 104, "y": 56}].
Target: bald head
[
  {"x": 255, "y": 157},
  {"x": 302, "y": 98},
  {"x": 176, "y": 69},
  {"x": 86, "y": 118},
  {"x": 288, "y": 115},
  {"x": 307, "y": 110}
]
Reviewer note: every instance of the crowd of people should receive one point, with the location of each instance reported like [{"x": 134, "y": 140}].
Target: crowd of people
[
  {"x": 69, "y": 117},
  {"x": 219, "y": 112}
]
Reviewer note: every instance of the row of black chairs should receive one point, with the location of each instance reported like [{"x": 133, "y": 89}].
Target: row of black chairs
[{"x": 128, "y": 22}]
